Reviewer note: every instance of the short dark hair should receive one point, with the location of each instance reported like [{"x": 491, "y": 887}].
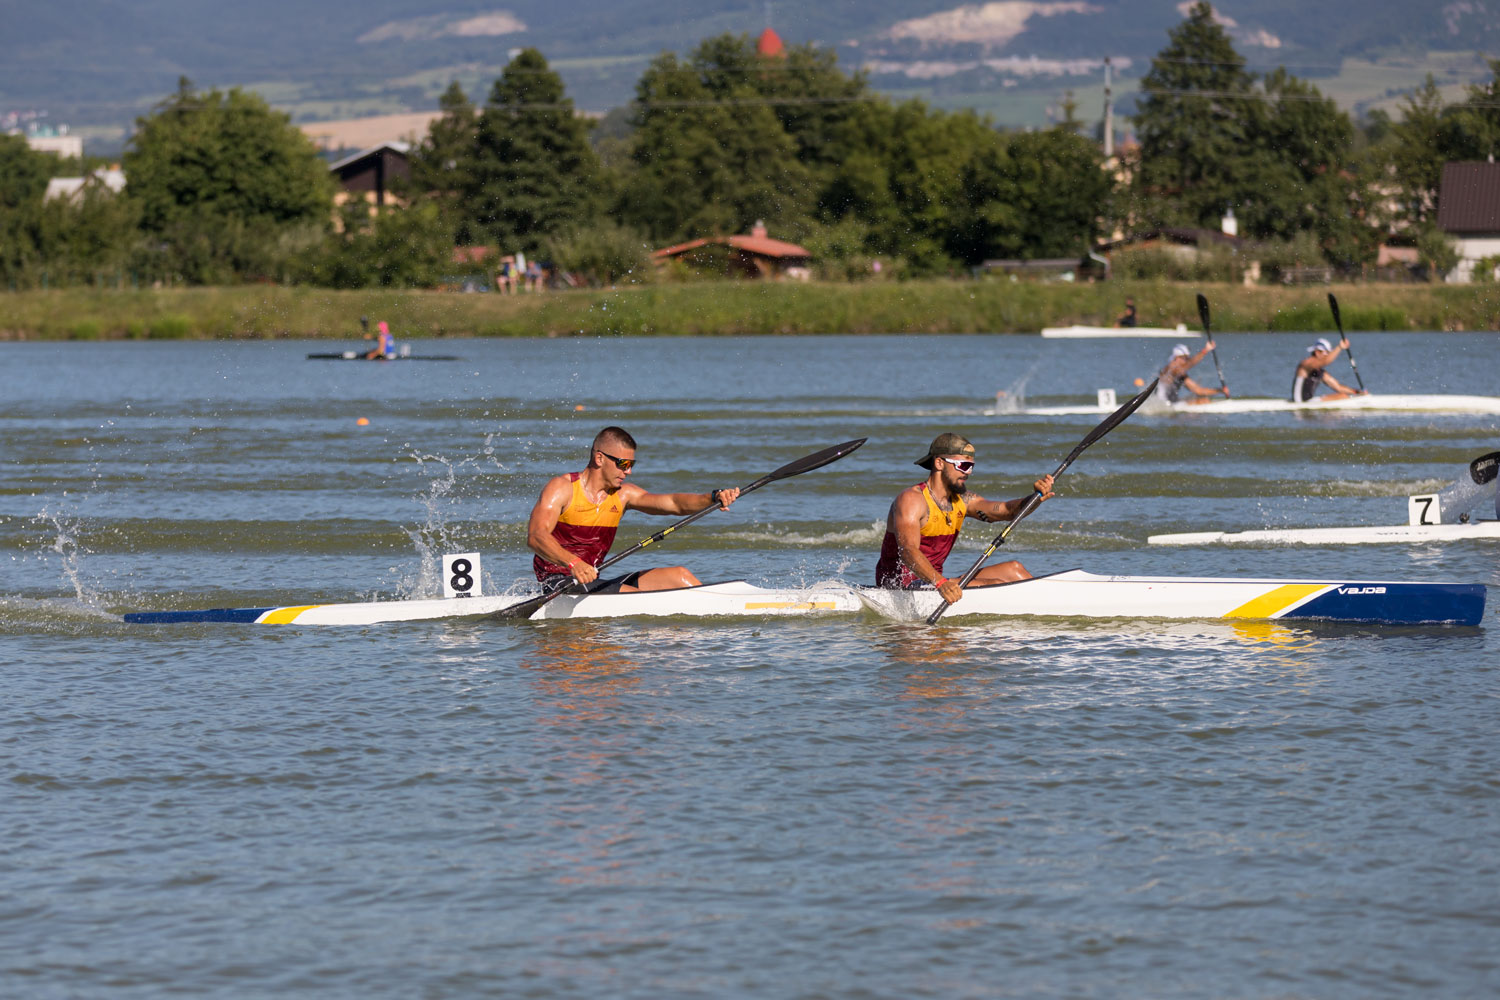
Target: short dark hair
[{"x": 612, "y": 436}]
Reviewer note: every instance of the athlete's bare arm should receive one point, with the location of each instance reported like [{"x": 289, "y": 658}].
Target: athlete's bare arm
[
  {"x": 674, "y": 503},
  {"x": 1005, "y": 510},
  {"x": 549, "y": 507},
  {"x": 907, "y": 513}
]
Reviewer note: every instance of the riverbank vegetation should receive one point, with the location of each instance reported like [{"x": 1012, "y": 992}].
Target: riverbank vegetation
[
  {"x": 730, "y": 307},
  {"x": 222, "y": 190}
]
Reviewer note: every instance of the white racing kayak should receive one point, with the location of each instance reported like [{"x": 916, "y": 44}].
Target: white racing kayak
[
  {"x": 1070, "y": 594},
  {"x": 1394, "y": 534},
  {"x": 1091, "y": 332},
  {"x": 1075, "y": 593},
  {"x": 710, "y": 600},
  {"x": 1375, "y": 403}
]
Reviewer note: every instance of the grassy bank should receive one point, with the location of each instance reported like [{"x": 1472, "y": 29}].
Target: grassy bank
[{"x": 938, "y": 306}]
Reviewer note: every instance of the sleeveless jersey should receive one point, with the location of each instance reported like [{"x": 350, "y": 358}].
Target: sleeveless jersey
[
  {"x": 939, "y": 532},
  {"x": 584, "y": 528},
  {"x": 1169, "y": 386},
  {"x": 1305, "y": 387}
]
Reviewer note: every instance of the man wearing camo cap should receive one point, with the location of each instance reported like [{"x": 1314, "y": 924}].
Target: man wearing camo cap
[{"x": 924, "y": 521}]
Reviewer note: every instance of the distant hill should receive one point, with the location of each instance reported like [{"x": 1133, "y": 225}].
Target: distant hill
[{"x": 96, "y": 64}]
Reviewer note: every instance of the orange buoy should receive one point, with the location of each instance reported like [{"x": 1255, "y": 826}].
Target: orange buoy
[{"x": 363, "y": 421}]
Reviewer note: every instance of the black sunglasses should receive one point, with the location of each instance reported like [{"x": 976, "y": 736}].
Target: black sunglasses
[{"x": 624, "y": 463}]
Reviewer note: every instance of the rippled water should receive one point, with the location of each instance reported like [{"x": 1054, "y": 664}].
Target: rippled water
[{"x": 776, "y": 808}]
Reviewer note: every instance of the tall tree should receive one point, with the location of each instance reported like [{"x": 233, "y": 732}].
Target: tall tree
[
  {"x": 530, "y": 171},
  {"x": 1417, "y": 157},
  {"x": 440, "y": 162},
  {"x": 225, "y": 184},
  {"x": 709, "y": 154},
  {"x": 1197, "y": 116}
]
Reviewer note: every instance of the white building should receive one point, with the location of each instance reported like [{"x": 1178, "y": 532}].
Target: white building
[{"x": 1469, "y": 212}]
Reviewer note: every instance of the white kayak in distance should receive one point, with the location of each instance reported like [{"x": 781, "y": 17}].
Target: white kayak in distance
[
  {"x": 1069, "y": 594},
  {"x": 1078, "y": 594},
  {"x": 1091, "y": 332},
  {"x": 1375, "y": 403},
  {"x": 1392, "y": 534}
]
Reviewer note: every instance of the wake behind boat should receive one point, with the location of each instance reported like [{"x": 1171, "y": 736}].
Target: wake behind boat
[{"x": 1069, "y": 594}]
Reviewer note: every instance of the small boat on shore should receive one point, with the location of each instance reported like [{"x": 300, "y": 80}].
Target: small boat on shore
[
  {"x": 1069, "y": 594},
  {"x": 1090, "y": 332}
]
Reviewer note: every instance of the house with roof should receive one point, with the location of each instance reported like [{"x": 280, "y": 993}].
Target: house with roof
[
  {"x": 1469, "y": 212},
  {"x": 753, "y": 255},
  {"x": 71, "y": 189},
  {"x": 368, "y": 173}
]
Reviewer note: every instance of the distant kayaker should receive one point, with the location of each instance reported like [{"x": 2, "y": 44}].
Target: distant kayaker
[
  {"x": 924, "y": 521},
  {"x": 385, "y": 344},
  {"x": 1311, "y": 373},
  {"x": 573, "y": 523},
  {"x": 1174, "y": 377},
  {"x": 1128, "y": 318}
]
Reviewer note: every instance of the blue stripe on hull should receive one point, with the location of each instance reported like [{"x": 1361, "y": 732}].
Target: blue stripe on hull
[
  {"x": 244, "y": 616},
  {"x": 1399, "y": 604}
]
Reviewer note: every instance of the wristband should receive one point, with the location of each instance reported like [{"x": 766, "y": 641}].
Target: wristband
[
  {"x": 713, "y": 498},
  {"x": 573, "y": 562},
  {"x": 938, "y": 583}
]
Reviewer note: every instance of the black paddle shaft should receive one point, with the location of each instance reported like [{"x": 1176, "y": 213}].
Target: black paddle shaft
[
  {"x": 1110, "y": 423},
  {"x": 1208, "y": 332},
  {"x": 806, "y": 464},
  {"x": 1338, "y": 321}
]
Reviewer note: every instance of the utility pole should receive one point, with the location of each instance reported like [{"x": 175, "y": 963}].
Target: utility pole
[{"x": 1109, "y": 119}]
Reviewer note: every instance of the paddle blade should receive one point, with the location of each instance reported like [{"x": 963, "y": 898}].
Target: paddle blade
[
  {"x": 1338, "y": 321},
  {"x": 1203, "y": 313},
  {"x": 1484, "y": 469},
  {"x": 1110, "y": 423},
  {"x": 808, "y": 463}
]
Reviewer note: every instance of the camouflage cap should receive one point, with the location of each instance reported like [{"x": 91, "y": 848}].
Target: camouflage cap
[{"x": 946, "y": 444}]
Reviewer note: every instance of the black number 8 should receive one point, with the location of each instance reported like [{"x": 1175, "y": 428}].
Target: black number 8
[{"x": 461, "y": 582}]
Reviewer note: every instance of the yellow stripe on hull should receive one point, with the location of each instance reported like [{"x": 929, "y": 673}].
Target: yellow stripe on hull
[
  {"x": 286, "y": 616},
  {"x": 1273, "y": 603}
]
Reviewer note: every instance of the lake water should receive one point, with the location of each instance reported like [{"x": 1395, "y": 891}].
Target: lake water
[{"x": 834, "y": 807}]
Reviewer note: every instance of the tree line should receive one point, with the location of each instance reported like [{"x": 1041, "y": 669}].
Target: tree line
[{"x": 221, "y": 188}]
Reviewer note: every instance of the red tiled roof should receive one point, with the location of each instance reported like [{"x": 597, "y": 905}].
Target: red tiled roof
[
  {"x": 1469, "y": 198},
  {"x": 761, "y": 246}
]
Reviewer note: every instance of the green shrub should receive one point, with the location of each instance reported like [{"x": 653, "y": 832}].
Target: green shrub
[
  {"x": 172, "y": 327},
  {"x": 85, "y": 329}
]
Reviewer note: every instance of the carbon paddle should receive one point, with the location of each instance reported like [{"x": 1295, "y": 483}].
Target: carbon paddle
[
  {"x": 817, "y": 460},
  {"x": 1338, "y": 321},
  {"x": 1207, "y": 332},
  {"x": 1110, "y": 423}
]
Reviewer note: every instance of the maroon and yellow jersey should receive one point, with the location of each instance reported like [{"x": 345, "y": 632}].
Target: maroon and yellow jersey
[
  {"x": 939, "y": 532},
  {"x": 584, "y": 528}
]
